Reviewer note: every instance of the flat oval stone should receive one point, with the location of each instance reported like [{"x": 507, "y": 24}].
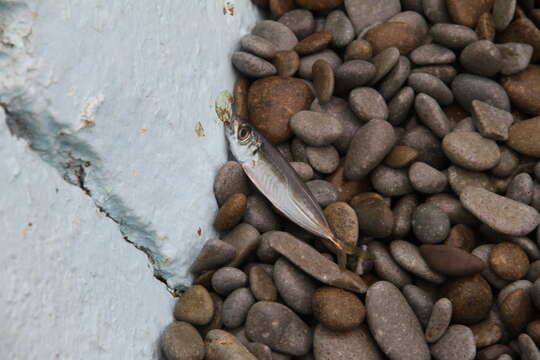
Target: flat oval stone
[
  {"x": 261, "y": 351},
  {"x": 324, "y": 192},
  {"x": 354, "y": 73},
  {"x": 394, "y": 81},
  {"x": 403, "y": 211},
  {"x": 400, "y": 105},
  {"x": 390, "y": 182},
  {"x": 359, "y": 50},
  {"x": 278, "y": 34},
  {"x": 368, "y": 12},
  {"x": 408, "y": 256},
  {"x": 515, "y": 57},
  {"x": 236, "y": 306},
  {"x": 509, "y": 261},
  {"x": 400, "y": 157},
  {"x": 295, "y": 287},
  {"x": 343, "y": 221},
  {"x": 495, "y": 352},
  {"x": 375, "y": 217},
  {"x": 221, "y": 345},
  {"x": 306, "y": 63},
  {"x": 487, "y": 332},
  {"x": 528, "y": 348},
  {"x": 432, "y": 54},
  {"x": 451, "y": 261},
  {"x": 393, "y": 323},
  {"x": 323, "y": 80},
  {"x": 315, "y": 128},
  {"x": 368, "y": 104},
  {"x": 517, "y": 311},
  {"x": 385, "y": 266},
  {"x": 338, "y": 345},
  {"x": 456, "y": 343},
  {"x": 251, "y": 65},
  {"x": 338, "y": 309},
  {"x": 384, "y": 62},
  {"x": 261, "y": 284},
  {"x": 286, "y": 62},
  {"x": 466, "y": 13},
  {"x": 432, "y": 86},
  {"x": 338, "y": 24},
  {"x": 483, "y": 252},
  {"x": 439, "y": 320},
  {"x": 524, "y": 137},
  {"x": 426, "y": 179},
  {"x": 195, "y": 306},
  {"x": 313, "y": 43},
  {"x": 471, "y": 298},
  {"x": 511, "y": 287},
  {"x": 420, "y": 300},
  {"x": 467, "y": 87},
  {"x": 258, "y": 46},
  {"x": 452, "y": 35},
  {"x": 260, "y": 215},
  {"x": 430, "y": 224},
  {"x": 481, "y": 57},
  {"x": 501, "y": 214},
  {"x": 459, "y": 179},
  {"x": 436, "y": 11},
  {"x": 230, "y": 179},
  {"x": 521, "y": 188},
  {"x": 287, "y": 333},
  {"x": 231, "y": 213},
  {"x": 523, "y": 30},
  {"x": 244, "y": 237},
  {"x": 300, "y": 21},
  {"x": 471, "y": 150},
  {"x": 181, "y": 340},
  {"x": 303, "y": 170},
  {"x": 392, "y": 34},
  {"x": 214, "y": 254},
  {"x": 431, "y": 114},
  {"x": 228, "y": 279},
  {"x": 446, "y": 73}
]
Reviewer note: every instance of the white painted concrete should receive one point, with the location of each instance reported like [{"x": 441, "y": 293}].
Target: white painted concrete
[{"x": 116, "y": 88}]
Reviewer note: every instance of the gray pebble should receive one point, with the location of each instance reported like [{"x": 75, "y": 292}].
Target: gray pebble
[
  {"x": 439, "y": 320},
  {"x": 503, "y": 13},
  {"x": 414, "y": 19},
  {"x": 452, "y": 35},
  {"x": 527, "y": 347},
  {"x": 180, "y": 341},
  {"x": 420, "y": 301},
  {"x": 446, "y": 73},
  {"x": 465, "y": 125},
  {"x": 265, "y": 253},
  {"x": 490, "y": 121},
  {"x": 481, "y": 57},
  {"x": 459, "y": 179},
  {"x": 436, "y": 11},
  {"x": 298, "y": 150},
  {"x": 515, "y": 57},
  {"x": 303, "y": 170},
  {"x": 295, "y": 287},
  {"x": 280, "y": 35},
  {"x": 338, "y": 345},
  {"x": 368, "y": 148},
  {"x": 391, "y": 182},
  {"x": 227, "y": 279},
  {"x": 428, "y": 146},
  {"x": 287, "y": 334},
  {"x": 240, "y": 335},
  {"x": 236, "y": 307},
  {"x": 354, "y": 73},
  {"x": 430, "y": 224},
  {"x": 483, "y": 252},
  {"x": 433, "y": 86},
  {"x": 260, "y": 215},
  {"x": 403, "y": 211},
  {"x": 214, "y": 254},
  {"x": 300, "y": 21},
  {"x": 535, "y": 293},
  {"x": 521, "y": 188},
  {"x": 532, "y": 250},
  {"x": 315, "y": 128},
  {"x": 534, "y": 271},
  {"x": 427, "y": 179},
  {"x": 471, "y": 150},
  {"x": 319, "y": 24},
  {"x": 408, "y": 256},
  {"x": 221, "y": 345},
  {"x": 394, "y": 324},
  {"x": 453, "y": 208},
  {"x": 370, "y": 12},
  {"x": 368, "y": 104},
  {"x": 394, "y": 81},
  {"x": 325, "y": 193},
  {"x": 261, "y": 284},
  {"x": 230, "y": 179},
  {"x": 251, "y": 65},
  {"x": 338, "y": 24},
  {"x": 432, "y": 54},
  {"x": 400, "y": 105},
  {"x": 456, "y": 344},
  {"x": 431, "y": 114},
  {"x": 306, "y": 62},
  {"x": 467, "y": 87},
  {"x": 413, "y": 5},
  {"x": 385, "y": 267},
  {"x": 384, "y": 62},
  {"x": 261, "y": 351},
  {"x": 258, "y": 46}
]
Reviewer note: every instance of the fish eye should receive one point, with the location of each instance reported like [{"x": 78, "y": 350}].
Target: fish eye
[{"x": 244, "y": 133}]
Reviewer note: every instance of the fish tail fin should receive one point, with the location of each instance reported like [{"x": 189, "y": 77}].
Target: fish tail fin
[{"x": 343, "y": 249}]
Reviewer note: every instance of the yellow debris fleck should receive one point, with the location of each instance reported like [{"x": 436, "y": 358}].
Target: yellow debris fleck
[{"x": 199, "y": 130}]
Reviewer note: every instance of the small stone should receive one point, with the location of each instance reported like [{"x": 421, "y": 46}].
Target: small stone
[
  {"x": 228, "y": 279},
  {"x": 231, "y": 213},
  {"x": 421, "y": 301},
  {"x": 217, "y": 321},
  {"x": 408, "y": 256},
  {"x": 456, "y": 344},
  {"x": 451, "y": 261},
  {"x": 306, "y": 63},
  {"x": 287, "y": 63},
  {"x": 214, "y": 254},
  {"x": 494, "y": 351},
  {"x": 313, "y": 43},
  {"x": 343, "y": 221},
  {"x": 221, "y": 345},
  {"x": 516, "y": 311},
  {"x": 521, "y": 188},
  {"x": 471, "y": 150},
  {"x": 346, "y": 189},
  {"x": 466, "y": 13},
  {"x": 439, "y": 320},
  {"x": 430, "y": 113},
  {"x": 486, "y": 333},
  {"x": 508, "y": 163},
  {"x": 278, "y": 34},
  {"x": 400, "y": 105},
  {"x": 432, "y": 86},
  {"x": 338, "y": 345},
  {"x": 534, "y": 271},
  {"x": 509, "y": 261},
  {"x": 324, "y": 192},
  {"x": 338, "y": 309},
  {"x": 414, "y": 19},
  {"x": 303, "y": 170},
  {"x": 459, "y": 179},
  {"x": 471, "y": 298},
  {"x": 522, "y": 30},
  {"x": 261, "y": 284},
  {"x": 375, "y": 217},
  {"x": 452, "y": 35},
  {"x": 230, "y": 179},
  {"x": 317, "y": 5},
  {"x": 524, "y": 90},
  {"x": 300, "y": 21},
  {"x": 392, "y": 34},
  {"x": 260, "y": 215},
  {"x": 485, "y": 29},
  {"x": 195, "y": 306},
  {"x": 535, "y": 293},
  {"x": 384, "y": 63},
  {"x": 359, "y": 50},
  {"x": 515, "y": 57},
  {"x": 430, "y": 224},
  {"x": 181, "y": 341},
  {"x": 394, "y": 81},
  {"x": 393, "y": 323},
  {"x": 490, "y": 121},
  {"x": 533, "y": 330},
  {"x": 342, "y": 30},
  {"x": 524, "y": 135},
  {"x": 354, "y": 73},
  {"x": 251, "y": 65},
  {"x": 428, "y": 146},
  {"x": 400, "y": 157},
  {"x": 511, "y": 287},
  {"x": 527, "y": 347},
  {"x": 501, "y": 214},
  {"x": 258, "y": 46},
  {"x": 503, "y": 13},
  {"x": 323, "y": 80},
  {"x": 530, "y": 248},
  {"x": 368, "y": 104},
  {"x": 427, "y": 179},
  {"x": 295, "y": 287},
  {"x": 315, "y": 128},
  {"x": 390, "y": 182},
  {"x": 261, "y": 351},
  {"x": 462, "y": 237},
  {"x": 385, "y": 266},
  {"x": 369, "y": 12},
  {"x": 403, "y": 211},
  {"x": 436, "y": 11},
  {"x": 236, "y": 306},
  {"x": 279, "y": 8},
  {"x": 288, "y": 333},
  {"x": 481, "y": 57},
  {"x": 445, "y": 73},
  {"x": 432, "y": 54}
]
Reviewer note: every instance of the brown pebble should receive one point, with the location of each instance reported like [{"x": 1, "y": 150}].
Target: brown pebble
[
  {"x": 494, "y": 351},
  {"x": 524, "y": 137},
  {"x": 272, "y": 102},
  {"x": 217, "y": 321},
  {"x": 471, "y": 298},
  {"x": 241, "y": 87},
  {"x": 279, "y": 7},
  {"x": 485, "y": 29},
  {"x": 509, "y": 261},
  {"x": 446, "y": 73},
  {"x": 392, "y": 34},
  {"x": 286, "y": 62},
  {"x": 343, "y": 221},
  {"x": 467, "y": 12},
  {"x": 401, "y": 157},
  {"x": 195, "y": 306},
  {"x": 523, "y": 89},
  {"x": 486, "y": 333},
  {"x": 314, "y": 43},
  {"x": 261, "y": 284},
  {"x": 323, "y": 80},
  {"x": 205, "y": 279},
  {"x": 181, "y": 341},
  {"x": 516, "y": 311},
  {"x": 375, "y": 218},
  {"x": 317, "y": 5},
  {"x": 533, "y": 330},
  {"x": 346, "y": 189},
  {"x": 359, "y": 50},
  {"x": 338, "y": 309},
  {"x": 451, "y": 261},
  {"x": 230, "y": 214},
  {"x": 462, "y": 237},
  {"x": 522, "y": 30}
]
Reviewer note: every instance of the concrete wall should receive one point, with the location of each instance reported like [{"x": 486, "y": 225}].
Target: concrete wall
[{"x": 109, "y": 139}]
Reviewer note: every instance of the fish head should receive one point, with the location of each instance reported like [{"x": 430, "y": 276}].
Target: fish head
[{"x": 244, "y": 140}]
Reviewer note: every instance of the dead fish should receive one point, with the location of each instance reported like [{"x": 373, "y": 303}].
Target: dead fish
[{"x": 278, "y": 182}]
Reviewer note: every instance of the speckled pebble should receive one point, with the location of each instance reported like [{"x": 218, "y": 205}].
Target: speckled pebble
[
  {"x": 315, "y": 128},
  {"x": 459, "y": 179},
  {"x": 359, "y": 50},
  {"x": 230, "y": 179},
  {"x": 436, "y": 11},
  {"x": 228, "y": 279},
  {"x": 431, "y": 114},
  {"x": 446, "y": 73},
  {"x": 295, "y": 287},
  {"x": 414, "y": 19},
  {"x": 452, "y": 35},
  {"x": 432, "y": 54},
  {"x": 338, "y": 309},
  {"x": 481, "y": 57},
  {"x": 300, "y": 21},
  {"x": 260, "y": 215},
  {"x": 420, "y": 301},
  {"x": 181, "y": 341},
  {"x": 490, "y": 121},
  {"x": 231, "y": 213},
  {"x": 343, "y": 221},
  {"x": 261, "y": 284},
  {"x": 521, "y": 188},
  {"x": 195, "y": 306},
  {"x": 390, "y": 182},
  {"x": 471, "y": 298},
  {"x": 395, "y": 79},
  {"x": 338, "y": 345},
  {"x": 280, "y": 35},
  {"x": 403, "y": 211},
  {"x": 432, "y": 86},
  {"x": 439, "y": 320},
  {"x": 303, "y": 170},
  {"x": 384, "y": 62},
  {"x": 451, "y": 261},
  {"x": 258, "y": 46},
  {"x": 471, "y": 150},
  {"x": 236, "y": 307},
  {"x": 487, "y": 332},
  {"x": 515, "y": 57},
  {"x": 468, "y": 87},
  {"x": 214, "y": 254},
  {"x": 375, "y": 217},
  {"x": 325, "y": 193},
  {"x": 508, "y": 261},
  {"x": 338, "y": 24},
  {"x": 221, "y": 345},
  {"x": 368, "y": 104},
  {"x": 427, "y": 179},
  {"x": 503, "y": 13},
  {"x": 409, "y": 258},
  {"x": 286, "y": 62},
  {"x": 313, "y": 43},
  {"x": 529, "y": 350},
  {"x": 251, "y": 65},
  {"x": 430, "y": 224},
  {"x": 456, "y": 344},
  {"x": 306, "y": 63},
  {"x": 400, "y": 105},
  {"x": 385, "y": 267},
  {"x": 368, "y": 12}
]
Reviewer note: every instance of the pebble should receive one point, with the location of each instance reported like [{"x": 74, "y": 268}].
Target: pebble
[
  {"x": 279, "y": 7},
  {"x": 521, "y": 188},
  {"x": 432, "y": 86},
  {"x": 180, "y": 341},
  {"x": 221, "y": 345},
  {"x": 287, "y": 332},
  {"x": 394, "y": 324},
  {"x": 303, "y": 170},
  {"x": 261, "y": 284},
  {"x": 428, "y": 146},
  {"x": 466, "y": 13},
  {"x": 231, "y": 213},
  {"x": 244, "y": 237},
  {"x": 313, "y": 43},
  {"x": 258, "y": 46},
  {"x": 530, "y": 248},
  {"x": 403, "y": 211},
  {"x": 436, "y": 11},
  {"x": 451, "y": 261},
  {"x": 409, "y": 258},
  {"x": 318, "y": 5},
  {"x": 503, "y": 13},
  {"x": 430, "y": 113},
  {"x": 375, "y": 217},
  {"x": 485, "y": 29},
  {"x": 236, "y": 306},
  {"x": 400, "y": 105},
  {"x": 511, "y": 287},
  {"x": 524, "y": 135},
  {"x": 459, "y": 179},
  {"x": 343, "y": 221},
  {"x": 261, "y": 351},
  {"x": 420, "y": 301},
  {"x": 324, "y": 192},
  {"x": 272, "y": 101},
  {"x": 214, "y": 254},
  {"x": 306, "y": 62},
  {"x": 300, "y": 21},
  {"x": 430, "y": 224},
  {"x": 533, "y": 330},
  {"x": 278, "y": 34},
  {"x": 368, "y": 104},
  {"x": 338, "y": 309},
  {"x": 414, "y": 19},
  {"x": 432, "y": 54},
  {"x": 523, "y": 89},
  {"x": 426, "y": 179},
  {"x": 227, "y": 279},
  {"x": 471, "y": 298},
  {"x": 230, "y": 179},
  {"x": 494, "y": 351},
  {"x": 487, "y": 332},
  {"x": 338, "y": 24},
  {"x": 195, "y": 306},
  {"x": 439, "y": 320},
  {"x": 354, "y": 73},
  {"x": 515, "y": 57},
  {"x": 395, "y": 79},
  {"x": 259, "y": 214},
  {"x": 390, "y": 182},
  {"x": 465, "y": 125},
  {"x": 501, "y": 214},
  {"x": 251, "y": 65},
  {"x": 369, "y": 12},
  {"x": 462, "y": 237},
  {"x": 446, "y": 73},
  {"x": 338, "y": 345},
  {"x": 400, "y": 157},
  {"x": 294, "y": 286},
  {"x": 490, "y": 121},
  {"x": 385, "y": 267},
  {"x": 359, "y": 50},
  {"x": 346, "y": 189},
  {"x": 523, "y": 30},
  {"x": 368, "y": 148},
  {"x": 384, "y": 62},
  {"x": 217, "y": 321},
  {"x": 315, "y": 128},
  {"x": 323, "y": 80},
  {"x": 287, "y": 63},
  {"x": 516, "y": 311},
  {"x": 456, "y": 344},
  {"x": 509, "y": 261},
  {"x": 452, "y": 35},
  {"x": 527, "y": 347},
  {"x": 471, "y": 150},
  {"x": 481, "y": 57},
  {"x": 392, "y": 34},
  {"x": 467, "y": 87},
  {"x": 535, "y": 293},
  {"x": 534, "y": 271}
]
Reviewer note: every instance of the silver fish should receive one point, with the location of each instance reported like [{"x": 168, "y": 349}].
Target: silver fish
[{"x": 279, "y": 183}]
